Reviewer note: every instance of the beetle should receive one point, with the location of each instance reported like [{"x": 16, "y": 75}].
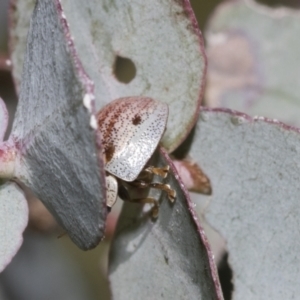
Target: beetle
[{"x": 131, "y": 130}]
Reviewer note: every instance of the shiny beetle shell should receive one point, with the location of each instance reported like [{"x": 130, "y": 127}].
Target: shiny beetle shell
[{"x": 131, "y": 129}]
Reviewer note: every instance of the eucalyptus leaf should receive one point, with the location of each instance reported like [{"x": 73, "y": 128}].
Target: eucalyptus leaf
[
  {"x": 166, "y": 258},
  {"x": 55, "y": 129},
  {"x": 13, "y": 221},
  {"x": 253, "y": 58},
  {"x": 254, "y": 169},
  {"x": 161, "y": 38}
]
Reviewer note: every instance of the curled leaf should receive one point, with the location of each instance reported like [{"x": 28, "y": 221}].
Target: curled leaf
[{"x": 193, "y": 177}]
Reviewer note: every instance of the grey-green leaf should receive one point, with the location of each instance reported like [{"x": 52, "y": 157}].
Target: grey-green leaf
[
  {"x": 254, "y": 169},
  {"x": 56, "y": 133},
  {"x": 160, "y": 37},
  {"x": 253, "y": 60},
  {"x": 13, "y": 221},
  {"x": 168, "y": 258}
]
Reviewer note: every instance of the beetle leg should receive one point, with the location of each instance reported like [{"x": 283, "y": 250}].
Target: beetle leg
[
  {"x": 164, "y": 187},
  {"x": 162, "y": 172},
  {"x": 147, "y": 174},
  {"x": 161, "y": 186}
]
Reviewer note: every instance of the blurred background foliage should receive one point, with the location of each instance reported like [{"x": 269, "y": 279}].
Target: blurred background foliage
[{"x": 50, "y": 268}]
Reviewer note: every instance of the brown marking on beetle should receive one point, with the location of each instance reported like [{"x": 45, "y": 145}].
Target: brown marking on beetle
[
  {"x": 109, "y": 152},
  {"x": 113, "y": 114},
  {"x": 136, "y": 120},
  {"x": 110, "y": 118},
  {"x": 113, "y": 122}
]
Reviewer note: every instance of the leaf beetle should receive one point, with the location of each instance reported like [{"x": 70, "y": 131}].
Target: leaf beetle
[{"x": 131, "y": 130}]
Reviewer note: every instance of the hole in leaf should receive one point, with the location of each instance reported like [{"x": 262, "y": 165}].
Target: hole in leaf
[
  {"x": 278, "y": 3},
  {"x": 124, "y": 69},
  {"x": 225, "y": 275}
]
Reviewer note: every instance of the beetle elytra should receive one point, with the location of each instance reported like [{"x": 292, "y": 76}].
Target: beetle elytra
[{"x": 131, "y": 130}]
